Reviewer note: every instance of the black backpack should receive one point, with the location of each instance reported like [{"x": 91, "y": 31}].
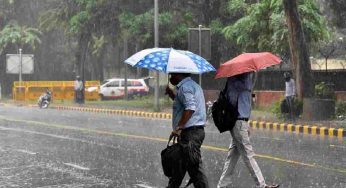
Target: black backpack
[{"x": 224, "y": 114}]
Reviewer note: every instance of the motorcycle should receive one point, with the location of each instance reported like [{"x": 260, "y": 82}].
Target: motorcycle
[{"x": 44, "y": 99}]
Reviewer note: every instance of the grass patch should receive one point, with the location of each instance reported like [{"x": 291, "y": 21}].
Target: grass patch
[{"x": 144, "y": 102}]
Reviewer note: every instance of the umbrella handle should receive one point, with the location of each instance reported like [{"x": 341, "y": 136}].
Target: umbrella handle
[{"x": 254, "y": 80}]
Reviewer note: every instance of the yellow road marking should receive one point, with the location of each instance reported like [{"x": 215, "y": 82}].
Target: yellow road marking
[{"x": 213, "y": 148}]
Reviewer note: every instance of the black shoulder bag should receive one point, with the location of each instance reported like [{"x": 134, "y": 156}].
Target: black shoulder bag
[
  {"x": 224, "y": 114},
  {"x": 172, "y": 159}
]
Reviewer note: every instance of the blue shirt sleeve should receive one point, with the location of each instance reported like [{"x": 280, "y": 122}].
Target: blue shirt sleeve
[{"x": 188, "y": 98}]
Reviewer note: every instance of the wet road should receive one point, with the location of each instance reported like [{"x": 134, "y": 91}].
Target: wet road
[{"x": 51, "y": 148}]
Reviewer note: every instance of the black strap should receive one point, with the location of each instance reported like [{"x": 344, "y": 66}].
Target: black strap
[
  {"x": 170, "y": 138},
  {"x": 225, "y": 88}
]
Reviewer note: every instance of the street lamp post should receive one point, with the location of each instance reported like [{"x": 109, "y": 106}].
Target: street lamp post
[
  {"x": 83, "y": 80},
  {"x": 200, "y": 49},
  {"x": 156, "y": 41},
  {"x": 20, "y": 66}
]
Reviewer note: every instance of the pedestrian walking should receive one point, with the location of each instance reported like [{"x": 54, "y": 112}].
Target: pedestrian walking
[
  {"x": 189, "y": 119},
  {"x": 290, "y": 93},
  {"x": 239, "y": 96},
  {"x": 78, "y": 90}
]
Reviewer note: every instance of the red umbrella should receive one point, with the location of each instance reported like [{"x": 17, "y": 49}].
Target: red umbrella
[{"x": 247, "y": 62}]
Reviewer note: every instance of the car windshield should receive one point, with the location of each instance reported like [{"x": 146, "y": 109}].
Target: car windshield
[{"x": 105, "y": 81}]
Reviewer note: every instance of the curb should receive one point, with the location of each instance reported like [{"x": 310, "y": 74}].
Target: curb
[
  {"x": 157, "y": 115},
  {"x": 304, "y": 129}
]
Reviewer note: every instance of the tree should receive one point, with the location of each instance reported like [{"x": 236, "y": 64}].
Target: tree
[
  {"x": 261, "y": 26},
  {"x": 92, "y": 24},
  {"x": 19, "y": 36},
  {"x": 298, "y": 50},
  {"x": 140, "y": 28}
]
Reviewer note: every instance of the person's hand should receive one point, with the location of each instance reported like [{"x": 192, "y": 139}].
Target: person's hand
[
  {"x": 169, "y": 92},
  {"x": 176, "y": 132}
]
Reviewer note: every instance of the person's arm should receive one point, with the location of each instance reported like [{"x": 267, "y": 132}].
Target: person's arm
[
  {"x": 185, "y": 118},
  {"x": 170, "y": 93}
]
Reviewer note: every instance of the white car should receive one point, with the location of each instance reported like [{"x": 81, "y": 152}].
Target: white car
[{"x": 114, "y": 88}]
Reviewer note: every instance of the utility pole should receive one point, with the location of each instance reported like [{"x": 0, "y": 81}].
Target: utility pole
[
  {"x": 156, "y": 40},
  {"x": 125, "y": 80},
  {"x": 200, "y": 49},
  {"x": 20, "y": 66}
]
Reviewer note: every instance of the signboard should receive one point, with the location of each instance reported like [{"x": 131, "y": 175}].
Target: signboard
[
  {"x": 13, "y": 63},
  {"x": 193, "y": 39}
]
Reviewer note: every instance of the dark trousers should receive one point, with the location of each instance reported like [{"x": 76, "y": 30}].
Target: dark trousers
[
  {"x": 191, "y": 137},
  {"x": 290, "y": 104},
  {"x": 78, "y": 96}
]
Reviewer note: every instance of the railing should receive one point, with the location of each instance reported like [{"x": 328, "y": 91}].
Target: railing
[{"x": 61, "y": 90}]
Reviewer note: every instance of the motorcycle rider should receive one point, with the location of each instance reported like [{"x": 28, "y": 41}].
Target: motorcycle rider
[{"x": 46, "y": 97}]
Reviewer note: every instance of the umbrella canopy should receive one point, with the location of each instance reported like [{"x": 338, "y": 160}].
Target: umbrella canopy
[
  {"x": 247, "y": 62},
  {"x": 169, "y": 60}
]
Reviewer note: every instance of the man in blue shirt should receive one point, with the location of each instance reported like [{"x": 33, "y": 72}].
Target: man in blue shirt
[
  {"x": 239, "y": 95},
  {"x": 189, "y": 118}
]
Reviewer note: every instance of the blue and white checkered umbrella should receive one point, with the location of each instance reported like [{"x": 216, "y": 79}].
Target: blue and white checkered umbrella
[{"x": 169, "y": 60}]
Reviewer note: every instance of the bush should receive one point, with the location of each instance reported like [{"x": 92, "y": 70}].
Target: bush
[
  {"x": 324, "y": 90},
  {"x": 276, "y": 108},
  {"x": 340, "y": 110}
]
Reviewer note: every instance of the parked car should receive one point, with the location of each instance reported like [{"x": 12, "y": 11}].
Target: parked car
[{"x": 114, "y": 88}]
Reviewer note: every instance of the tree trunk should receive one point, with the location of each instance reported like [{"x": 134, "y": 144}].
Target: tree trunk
[{"x": 298, "y": 51}]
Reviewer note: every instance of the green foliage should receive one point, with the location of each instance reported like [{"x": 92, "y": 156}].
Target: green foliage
[
  {"x": 216, "y": 26},
  {"x": 97, "y": 44},
  {"x": 78, "y": 21},
  {"x": 263, "y": 26},
  {"x": 19, "y": 35},
  {"x": 237, "y": 5},
  {"x": 276, "y": 108},
  {"x": 324, "y": 91},
  {"x": 340, "y": 110},
  {"x": 140, "y": 26}
]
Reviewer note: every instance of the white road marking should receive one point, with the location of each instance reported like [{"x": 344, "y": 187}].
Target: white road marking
[
  {"x": 56, "y": 136},
  {"x": 16, "y": 167},
  {"x": 25, "y": 151},
  {"x": 143, "y": 185},
  {"x": 76, "y": 166},
  {"x": 270, "y": 138},
  {"x": 336, "y": 146}
]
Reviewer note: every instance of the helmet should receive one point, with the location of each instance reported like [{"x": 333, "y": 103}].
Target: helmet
[
  {"x": 78, "y": 77},
  {"x": 48, "y": 91},
  {"x": 287, "y": 75}
]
